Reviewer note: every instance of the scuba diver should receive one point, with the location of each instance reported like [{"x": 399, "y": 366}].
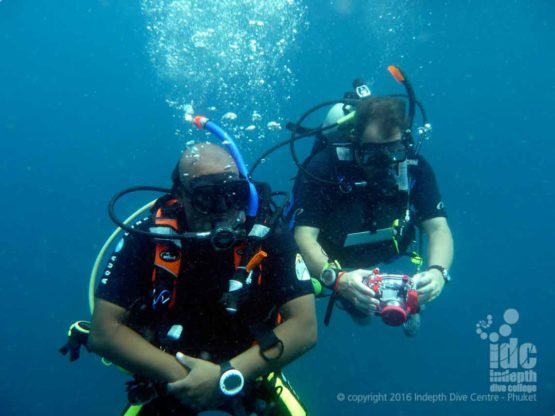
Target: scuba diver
[
  {"x": 205, "y": 299},
  {"x": 358, "y": 200}
]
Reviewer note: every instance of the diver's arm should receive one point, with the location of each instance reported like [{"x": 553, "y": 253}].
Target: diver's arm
[
  {"x": 350, "y": 286},
  {"x": 430, "y": 283},
  {"x": 312, "y": 252},
  {"x": 440, "y": 242},
  {"x": 113, "y": 340},
  {"x": 298, "y": 333}
]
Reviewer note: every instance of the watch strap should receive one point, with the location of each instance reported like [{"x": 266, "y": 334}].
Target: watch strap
[
  {"x": 332, "y": 264},
  {"x": 225, "y": 366},
  {"x": 336, "y": 285},
  {"x": 442, "y": 270}
]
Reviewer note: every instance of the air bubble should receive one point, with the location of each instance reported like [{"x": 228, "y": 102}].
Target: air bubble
[
  {"x": 229, "y": 116},
  {"x": 208, "y": 50},
  {"x": 273, "y": 125}
]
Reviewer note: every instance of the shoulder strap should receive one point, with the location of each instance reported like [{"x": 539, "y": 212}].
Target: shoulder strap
[{"x": 167, "y": 257}]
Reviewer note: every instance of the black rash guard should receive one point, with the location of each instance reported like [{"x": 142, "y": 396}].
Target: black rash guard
[
  {"x": 208, "y": 329},
  {"x": 336, "y": 213}
]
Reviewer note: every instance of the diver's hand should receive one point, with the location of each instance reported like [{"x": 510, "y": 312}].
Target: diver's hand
[
  {"x": 199, "y": 390},
  {"x": 351, "y": 288},
  {"x": 429, "y": 285}
]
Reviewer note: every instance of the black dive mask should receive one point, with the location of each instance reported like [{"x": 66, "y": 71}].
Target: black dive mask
[
  {"x": 381, "y": 155},
  {"x": 218, "y": 193}
]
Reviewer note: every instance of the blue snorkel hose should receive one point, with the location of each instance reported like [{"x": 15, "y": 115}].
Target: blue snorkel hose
[{"x": 204, "y": 123}]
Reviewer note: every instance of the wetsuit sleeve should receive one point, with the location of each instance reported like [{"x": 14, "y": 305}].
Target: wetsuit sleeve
[
  {"x": 311, "y": 201},
  {"x": 126, "y": 276},
  {"x": 425, "y": 194},
  {"x": 285, "y": 274}
]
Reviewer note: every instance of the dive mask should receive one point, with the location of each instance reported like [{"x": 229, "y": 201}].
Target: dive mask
[
  {"x": 381, "y": 154},
  {"x": 218, "y": 193}
]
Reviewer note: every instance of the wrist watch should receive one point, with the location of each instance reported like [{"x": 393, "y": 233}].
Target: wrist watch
[
  {"x": 231, "y": 379},
  {"x": 329, "y": 276},
  {"x": 444, "y": 272}
]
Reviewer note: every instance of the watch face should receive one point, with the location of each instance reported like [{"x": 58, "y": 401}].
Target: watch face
[
  {"x": 328, "y": 277},
  {"x": 231, "y": 382}
]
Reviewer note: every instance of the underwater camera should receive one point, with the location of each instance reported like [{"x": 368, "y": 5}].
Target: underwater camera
[{"x": 397, "y": 296}]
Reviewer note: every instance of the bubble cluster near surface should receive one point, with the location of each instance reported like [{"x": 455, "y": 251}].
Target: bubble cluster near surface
[{"x": 225, "y": 56}]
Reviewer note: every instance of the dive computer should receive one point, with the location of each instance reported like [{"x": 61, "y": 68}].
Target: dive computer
[{"x": 231, "y": 379}]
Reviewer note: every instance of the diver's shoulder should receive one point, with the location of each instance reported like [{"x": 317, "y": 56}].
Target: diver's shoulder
[
  {"x": 279, "y": 237},
  {"x": 321, "y": 164},
  {"x": 145, "y": 224},
  {"x": 321, "y": 159},
  {"x": 420, "y": 163}
]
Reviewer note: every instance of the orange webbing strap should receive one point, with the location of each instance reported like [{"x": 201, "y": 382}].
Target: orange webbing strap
[{"x": 167, "y": 256}]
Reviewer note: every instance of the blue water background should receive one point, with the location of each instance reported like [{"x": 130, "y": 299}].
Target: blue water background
[{"x": 83, "y": 115}]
